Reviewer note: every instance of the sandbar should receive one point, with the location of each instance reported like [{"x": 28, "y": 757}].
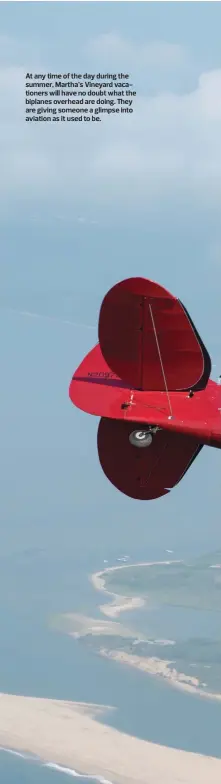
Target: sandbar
[
  {"x": 69, "y": 734},
  {"x": 78, "y": 625}
]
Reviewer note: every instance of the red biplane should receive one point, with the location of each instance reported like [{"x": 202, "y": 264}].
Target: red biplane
[{"x": 148, "y": 380}]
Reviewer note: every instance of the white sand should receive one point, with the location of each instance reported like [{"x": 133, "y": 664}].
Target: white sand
[
  {"x": 121, "y": 603},
  {"x": 151, "y": 665},
  {"x": 78, "y": 625},
  {"x": 63, "y": 733},
  {"x": 159, "y": 667},
  {"x": 98, "y": 578}
]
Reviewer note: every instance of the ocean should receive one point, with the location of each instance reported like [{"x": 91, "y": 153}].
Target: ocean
[
  {"x": 15, "y": 767},
  {"x": 38, "y": 661}
]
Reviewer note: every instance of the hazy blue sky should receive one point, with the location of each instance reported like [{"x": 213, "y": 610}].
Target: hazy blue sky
[{"x": 82, "y": 207}]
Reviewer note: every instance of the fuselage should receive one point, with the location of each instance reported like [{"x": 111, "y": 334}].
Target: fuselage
[{"x": 98, "y": 391}]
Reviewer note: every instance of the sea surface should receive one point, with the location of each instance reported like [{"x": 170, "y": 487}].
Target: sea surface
[
  {"x": 178, "y": 623},
  {"x": 15, "y": 767},
  {"x": 49, "y": 664}
]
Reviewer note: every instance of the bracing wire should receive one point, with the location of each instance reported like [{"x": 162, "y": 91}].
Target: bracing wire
[{"x": 161, "y": 362}]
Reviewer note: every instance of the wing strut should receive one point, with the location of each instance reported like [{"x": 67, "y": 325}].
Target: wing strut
[{"x": 161, "y": 363}]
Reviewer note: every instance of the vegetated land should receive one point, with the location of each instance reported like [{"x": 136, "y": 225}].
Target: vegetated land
[
  {"x": 196, "y": 585},
  {"x": 193, "y": 664},
  {"x": 195, "y": 661}
]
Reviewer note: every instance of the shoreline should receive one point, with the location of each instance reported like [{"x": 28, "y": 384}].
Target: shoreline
[
  {"x": 62, "y": 733},
  {"x": 158, "y": 668},
  {"x": 119, "y": 602},
  {"x": 150, "y": 665}
]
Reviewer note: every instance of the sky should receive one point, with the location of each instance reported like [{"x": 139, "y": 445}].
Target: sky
[{"x": 84, "y": 207}]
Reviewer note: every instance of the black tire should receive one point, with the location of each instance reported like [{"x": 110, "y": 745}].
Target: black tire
[{"x": 140, "y": 438}]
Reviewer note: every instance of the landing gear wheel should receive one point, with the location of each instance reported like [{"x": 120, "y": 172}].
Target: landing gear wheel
[{"x": 140, "y": 438}]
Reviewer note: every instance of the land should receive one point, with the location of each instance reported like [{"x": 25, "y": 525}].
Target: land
[
  {"x": 69, "y": 734},
  {"x": 80, "y": 626},
  {"x": 195, "y": 585},
  {"x": 119, "y": 602},
  {"x": 114, "y": 641},
  {"x": 195, "y": 664},
  {"x": 162, "y": 668}
]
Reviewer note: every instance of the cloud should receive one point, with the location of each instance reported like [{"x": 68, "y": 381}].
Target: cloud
[
  {"x": 12, "y": 92},
  {"x": 17, "y": 51},
  {"x": 152, "y": 65},
  {"x": 154, "y": 54},
  {"x": 170, "y": 139},
  {"x": 169, "y": 149}
]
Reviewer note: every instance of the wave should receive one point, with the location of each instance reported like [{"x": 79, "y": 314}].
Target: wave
[
  {"x": 74, "y": 774},
  {"x": 55, "y": 766},
  {"x": 15, "y": 753},
  {"x": 23, "y": 755}
]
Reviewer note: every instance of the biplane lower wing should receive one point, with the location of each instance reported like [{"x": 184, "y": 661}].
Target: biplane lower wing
[
  {"x": 143, "y": 474},
  {"x": 149, "y": 340}
]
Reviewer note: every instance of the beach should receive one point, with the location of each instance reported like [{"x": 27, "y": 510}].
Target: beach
[
  {"x": 68, "y": 734},
  {"x": 148, "y": 664},
  {"x": 159, "y": 667},
  {"x": 121, "y": 603},
  {"x": 80, "y": 626},
  {"x": 98, "y": 578}
]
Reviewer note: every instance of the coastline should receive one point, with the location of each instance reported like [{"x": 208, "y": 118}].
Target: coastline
[
  {"x": 150, "y": 665},
  {"x": 159, "y": 668},
  {"x": 68, "y": 734},
  {"x": 119, "y": 602}
]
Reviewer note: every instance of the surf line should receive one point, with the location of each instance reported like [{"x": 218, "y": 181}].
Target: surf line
[{"x": 55, "y": 766}]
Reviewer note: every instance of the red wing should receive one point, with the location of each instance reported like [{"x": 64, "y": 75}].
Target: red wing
[
  {"x": 95, "y": 389},
  {"x": 145, "y": 473},
  {"x": 147, "y": 336}
]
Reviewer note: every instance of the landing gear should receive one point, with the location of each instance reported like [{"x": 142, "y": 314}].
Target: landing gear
[{"x": 141, "y": 438}]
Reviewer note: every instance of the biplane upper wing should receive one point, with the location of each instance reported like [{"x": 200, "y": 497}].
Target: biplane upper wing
[
  {"x": 149, "y": 340},
  {"x": 144, "y": 474}
]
